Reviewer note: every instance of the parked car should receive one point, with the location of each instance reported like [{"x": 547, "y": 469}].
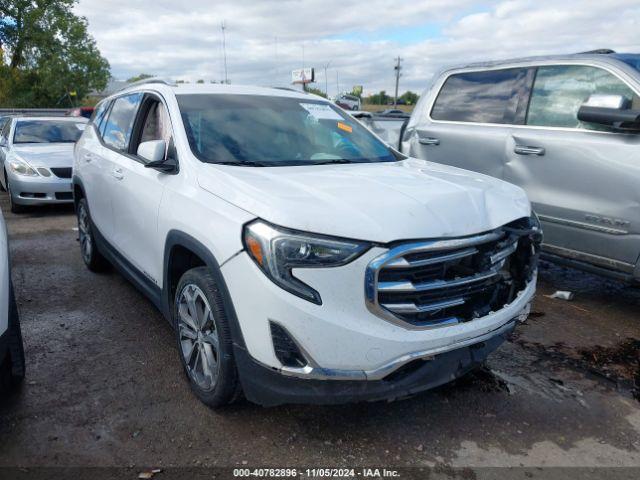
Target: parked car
[
  {"x": 12, "y": 365},
  {"x": 349, "y": 102},
  {"x": 298, "y": 257},
  {"x": 564, "y": 128},
  {"x": 85, "y": 112},
  {"x": 36, "y": 156},
  {"x": 392, "y": 112}
]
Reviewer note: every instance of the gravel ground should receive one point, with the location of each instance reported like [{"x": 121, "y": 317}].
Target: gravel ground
[{"x": 104, "y": 385}]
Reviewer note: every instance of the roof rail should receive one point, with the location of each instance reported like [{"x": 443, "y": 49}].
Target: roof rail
[
  {"x": 601, "y": 51},
  {"x": 148, "y": 80}
]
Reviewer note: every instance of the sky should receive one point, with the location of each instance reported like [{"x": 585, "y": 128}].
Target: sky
[{"x": 357, "y": 41}]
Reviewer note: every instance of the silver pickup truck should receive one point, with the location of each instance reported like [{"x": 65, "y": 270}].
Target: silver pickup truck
[{"x": 566, "y": 129}]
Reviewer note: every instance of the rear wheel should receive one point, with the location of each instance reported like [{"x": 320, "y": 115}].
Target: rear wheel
[
  {"x": 92, "y": 257},
  {"x": 204, "y": 338}
]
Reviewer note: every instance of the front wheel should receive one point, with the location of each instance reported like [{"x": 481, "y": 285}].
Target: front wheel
[
  {"x": 204, "y": 338},
  {"x": 92, "y": 257},
  {"x": 15, "y": 208}
]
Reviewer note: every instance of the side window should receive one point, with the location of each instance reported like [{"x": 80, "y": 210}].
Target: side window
[
  {"x": 491, "y": 96},
  {"x": 156, "y": 124},
  {"x": 560, "y": 90},
  {"x": 119, "y": 124},
  {"x": 4, "y": 133},
  {"x": 99, "y": 113}
]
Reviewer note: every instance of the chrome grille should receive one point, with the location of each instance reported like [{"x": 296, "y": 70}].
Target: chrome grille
[{"x": 444, "y": 282}]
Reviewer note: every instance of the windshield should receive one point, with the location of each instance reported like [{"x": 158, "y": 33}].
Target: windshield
[
  {"x": 47, "y": 131},
  {"x": 260, "y": 130}
]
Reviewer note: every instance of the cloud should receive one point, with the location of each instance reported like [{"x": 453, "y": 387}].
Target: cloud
[{"x": 266, "y": 39}]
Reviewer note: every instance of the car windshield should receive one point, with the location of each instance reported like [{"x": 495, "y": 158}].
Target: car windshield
[
  {"x": 47, "y": 131},
  {"x": 259, "y": 130}
]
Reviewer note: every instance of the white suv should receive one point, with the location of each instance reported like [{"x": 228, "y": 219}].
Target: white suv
[{"x": 299, "y": 259}]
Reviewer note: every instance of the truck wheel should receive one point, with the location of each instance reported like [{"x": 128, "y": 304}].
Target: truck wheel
[
  {"x": 12, "y": 369},
  {"x": 204, "y": 338},
  {"x": 92, "y": 257}
]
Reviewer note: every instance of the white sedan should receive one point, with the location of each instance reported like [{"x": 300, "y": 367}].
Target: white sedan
[
  {"x": 36, "y": 155},
  {"x": 11, "y": 349}
]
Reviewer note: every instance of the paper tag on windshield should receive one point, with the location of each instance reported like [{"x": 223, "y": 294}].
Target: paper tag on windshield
[{"x": 321, "y": 111}]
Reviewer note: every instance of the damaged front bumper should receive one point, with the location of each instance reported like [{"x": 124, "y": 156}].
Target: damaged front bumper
[{"x": 270, "y": 387}]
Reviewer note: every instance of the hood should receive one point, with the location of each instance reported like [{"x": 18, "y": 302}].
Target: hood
[
  {"x": 379, "y": 202},
  {"x": 48, "y": 155}
]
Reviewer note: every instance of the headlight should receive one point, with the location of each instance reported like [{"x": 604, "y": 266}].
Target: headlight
[
  {"x": 22, "y": 168},
  {"x": 277, "y": 251}
]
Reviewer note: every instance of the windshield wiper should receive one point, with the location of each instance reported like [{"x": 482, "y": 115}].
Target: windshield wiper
[
  {"x": 244, "y": 163},
  {"x": 334, "y": 160}
]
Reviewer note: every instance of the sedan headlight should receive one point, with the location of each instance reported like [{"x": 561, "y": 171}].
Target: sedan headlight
[
  {"x": 277, "y": 251},
  {"x": 21, "y": 167}
]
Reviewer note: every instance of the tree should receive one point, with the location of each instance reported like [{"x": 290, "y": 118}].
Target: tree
[
  {"x": 378, "y": 98},
  {"x": 409, "y": 97},
  {"x": 140, "y": 76},
  {"x": 52, "y": 58},
  {"x": 316, "y": 91}
]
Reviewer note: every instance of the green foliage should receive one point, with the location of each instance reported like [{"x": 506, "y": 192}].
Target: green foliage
[
  {"x": 316, "y": 91},
  {"x": 140, "y": 76},
  {"x": 378, "y": 98},
  {"x": 409, "y": 97},
  {"x": 53, "y": 61}
]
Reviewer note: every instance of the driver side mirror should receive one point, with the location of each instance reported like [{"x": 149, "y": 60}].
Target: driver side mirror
[
  {"x": 154, "y": 151},
  {"x": 3, "y": 142},
  {"x": 610, "y": 110}
]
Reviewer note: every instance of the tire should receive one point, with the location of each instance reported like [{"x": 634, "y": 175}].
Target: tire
[
  {"x": 91, "y": 256},
  {"x": 12, "y": 370},
  {"x": 15, "y": 208},
  {"x": 205, "y": 345}
]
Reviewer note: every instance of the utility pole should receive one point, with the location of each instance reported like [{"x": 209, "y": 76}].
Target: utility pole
[
  {"x": 276, "y": 69},
  {"x": 223, "y": 26},
  {"x": 397, "y": 68},
  {"x": 326, "y": 89}
]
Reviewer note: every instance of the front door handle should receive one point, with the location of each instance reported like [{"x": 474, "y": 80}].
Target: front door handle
[
  {"x": 429, "y": 141},
  {"x": 528, "y": 150},
  {"x": 117, "y": 173}
]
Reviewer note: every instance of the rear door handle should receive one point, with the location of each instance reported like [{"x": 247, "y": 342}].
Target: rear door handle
[
  {"x": 429, "y": 141},
  {"x": 528, "y": 150},
  {"x": 117, "y": 173},
  {"x": 88, "y": 157}
]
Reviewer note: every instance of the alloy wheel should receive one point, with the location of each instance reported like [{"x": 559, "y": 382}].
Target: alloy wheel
[
  {"x": 199, "y": 341},
  {"x": 84, "y": 233}
]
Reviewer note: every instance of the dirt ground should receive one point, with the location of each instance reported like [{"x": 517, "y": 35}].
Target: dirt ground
[{"x": 104, "y": 385}]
